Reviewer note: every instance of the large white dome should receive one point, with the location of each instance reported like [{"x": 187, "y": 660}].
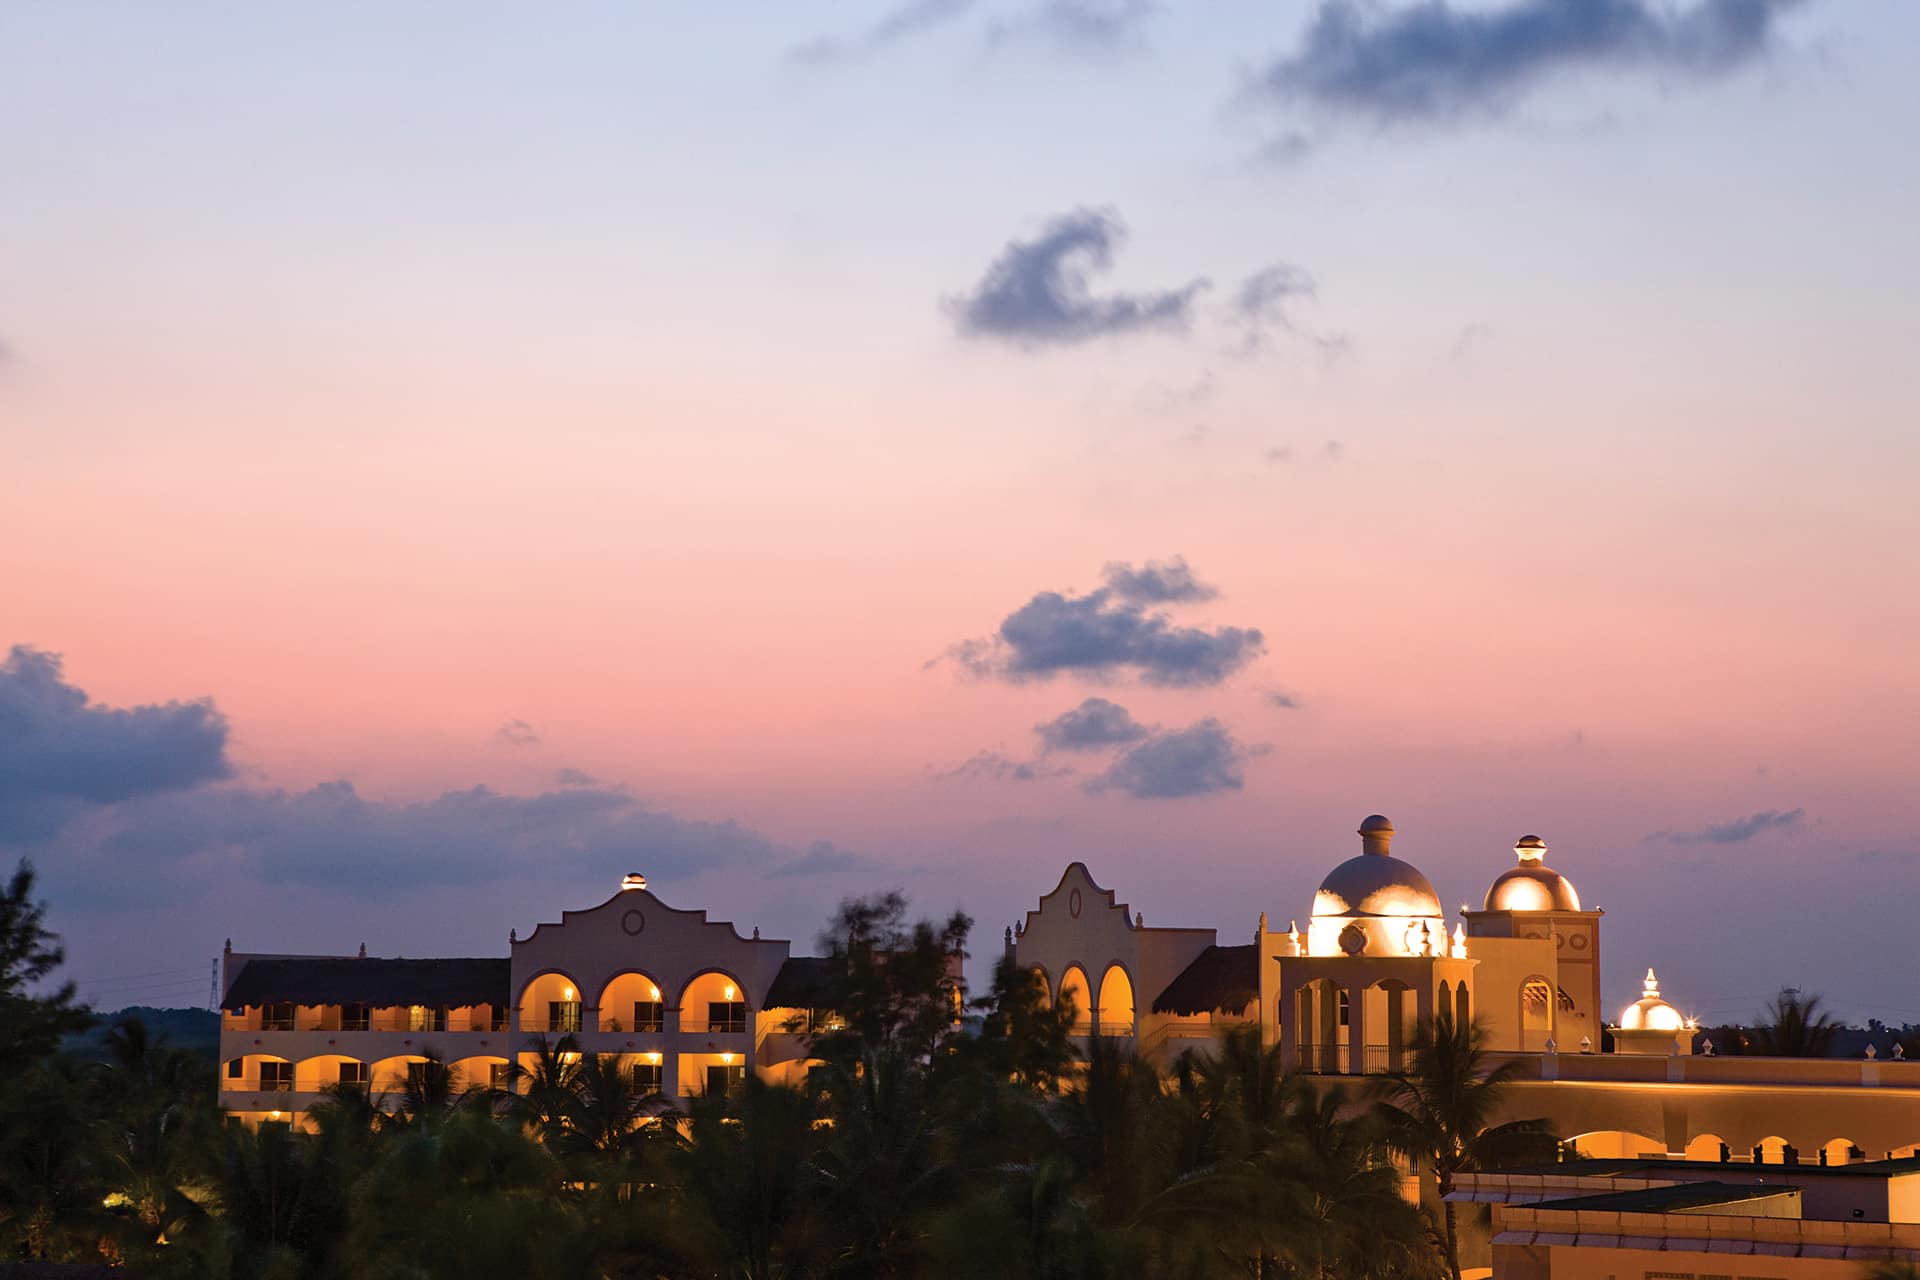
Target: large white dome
[{"x": 1376, "y": 883}]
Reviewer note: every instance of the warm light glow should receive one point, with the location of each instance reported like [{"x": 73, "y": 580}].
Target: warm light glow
[
  {"x": 732, "y": 993},
  {"x": 632, "y": 880},
  {"x": 653, "y": 1058},
  {"x": 1651, "y": 1012},
  {"x": 567, "y": 994},
  {"x": 273, "y": 1115},
  {"x": 653, "y": 993},
  {"x": 727, "y": 1058}
]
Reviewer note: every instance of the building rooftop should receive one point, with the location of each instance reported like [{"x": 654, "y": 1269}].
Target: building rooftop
[
  {"x": 370, "y": 981},
  {"x": 1223, "y": 978}
]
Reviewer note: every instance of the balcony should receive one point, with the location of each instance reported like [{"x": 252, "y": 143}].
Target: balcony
[{"x": 714, "y": 1026}]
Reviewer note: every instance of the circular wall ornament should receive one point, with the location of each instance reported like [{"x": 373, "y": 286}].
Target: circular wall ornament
[
  {"x": 1353, "y": 939},
  {"x": 1073, "y": 904},
  {"x": 632, "y": 922},
  {"x": 1578, "y": 941}
]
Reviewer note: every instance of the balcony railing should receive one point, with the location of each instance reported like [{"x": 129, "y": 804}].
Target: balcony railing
[{"x": 722, "y": 1026}]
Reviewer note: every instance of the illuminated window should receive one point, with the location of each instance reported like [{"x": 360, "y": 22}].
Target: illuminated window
[
  {"x": 422, "y": 1018},
  {"x": 276, "y": 1077},
  {"x": 563, "y": 1015},
  {"x": 277, "y": 1017},
  {"x": 649, "y": 1015}
]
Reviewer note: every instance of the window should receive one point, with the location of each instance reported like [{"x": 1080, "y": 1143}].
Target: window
[
  {"x": 1536, "y": 1005},
  {"x": 235, "y": 1068},
  {"x": 646, "y": 1077},
  {"x": 726, "y": 1015},
  {"x": 563, "y": 1015},
  {"x": 277, "y": 1017},
  {"x": 354, "y": 1073},
  {"x": 726, "y": 1079},
  {"x": 422, "y": 1018},
  {"x": 1566, "y": 1001},
  {"x": 276, "y": 1077},
  {"x": 353, "y": 1017},
  {"x": 1346, "y": 1010},
  {"x": 417, "y": 1074},
  {"x": 500, "y": 1077},
  {"x": 649, "y": 1015}
]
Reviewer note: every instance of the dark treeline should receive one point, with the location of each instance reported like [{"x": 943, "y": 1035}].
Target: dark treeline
[{"x": 925, "y": 1144}]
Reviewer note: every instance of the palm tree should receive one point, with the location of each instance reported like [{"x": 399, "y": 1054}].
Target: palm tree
[
  {"x": 747, "y": 1202},
  {"x": 607, "y": 1105},
  {"x": 547, "y": 1090},
  {"x": 1356, "y": 1222},
  {"x": 1441, "y": 1110},
  {"x": 1794, "y": 1026}
]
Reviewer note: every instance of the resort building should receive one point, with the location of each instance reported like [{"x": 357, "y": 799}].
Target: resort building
[
  {"x": 687, "y": 1004},
  {"x": 691, "y": 1005}
]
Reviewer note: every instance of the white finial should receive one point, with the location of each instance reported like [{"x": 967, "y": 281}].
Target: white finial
[
  {"x": 1459, "y": 942},
  {"x": 1652, "y": 989}
]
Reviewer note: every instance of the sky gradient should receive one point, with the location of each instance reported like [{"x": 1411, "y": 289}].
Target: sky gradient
[{"x": 714, "y": 440}]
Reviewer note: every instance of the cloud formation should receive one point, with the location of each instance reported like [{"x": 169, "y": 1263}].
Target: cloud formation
[
  {"x": 998, "y": 766},
  {"x": 893, "y": 27},
  {"x": 1737, "y": 831},
  {"x": 1108, "y": 631},
  {"x": 1094, "y": 725},
  {"x": 61, "y": 754},
  {"x": 1036, "y": 293},
  {"x": 1197, "y": 760},
  {"x": 1439, "y": 61},
  {"x": 1094, "y": 26},
  {"x": 517, "y": 733}
]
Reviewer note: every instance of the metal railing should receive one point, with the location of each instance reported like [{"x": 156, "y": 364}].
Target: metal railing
[{"x": 722, "y": 1026}]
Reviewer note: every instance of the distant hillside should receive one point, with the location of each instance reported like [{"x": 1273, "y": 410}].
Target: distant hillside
[{"x": 195, "y": 1029}]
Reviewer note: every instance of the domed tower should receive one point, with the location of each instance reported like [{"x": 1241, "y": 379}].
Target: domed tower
[
  {"x": 1540, "y": 956},
  {"x": 1376, "y": 904},
  {"x": 1651, "y": 1025}
]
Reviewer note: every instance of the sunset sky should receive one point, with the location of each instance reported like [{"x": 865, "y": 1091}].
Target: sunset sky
[{"x": 451, "y": 455}]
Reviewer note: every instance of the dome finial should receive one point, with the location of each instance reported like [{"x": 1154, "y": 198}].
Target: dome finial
[
  {"x": 1530, "y": 849},
  {"x": 1652, "y": 987},
  {"x": 1376, "y": 833}
]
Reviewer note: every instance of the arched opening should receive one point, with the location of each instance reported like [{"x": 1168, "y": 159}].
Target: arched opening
[
  {"x": 1706, "y": 1147},
  {"x": 1772, "y": 1150},
  {"x": 1116, "y": 1002},
  {"x": 1387, "y": 1023},
  {"x": 1841, "y": 1151},
  {"x": 327, "y": 1071},
  {"x": 1042, "y": 985},
  {"x": 1073, "y": 986},
  {"x": 714, "y": 1003},
  {"x": 259, "y": 1073},
  {"x": 550, "y": 1005},
  {"x": 1462, "y": 1006},
  {"x": 1617, "y": 1144},
  {"x": 632, "y": 1002},
  {"x": 1536, "y": 1005},
  {"x": 389, "y": 1075},
  {"x": 481, "y": 1071}
]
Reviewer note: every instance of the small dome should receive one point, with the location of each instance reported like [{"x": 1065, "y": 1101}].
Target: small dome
[
  {"x": 1376, "y": 883},
  {"x": 1650, "y": 1012},
  {"x": 1533, "y": 885}
]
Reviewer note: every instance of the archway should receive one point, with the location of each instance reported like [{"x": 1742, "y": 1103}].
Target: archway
[
  {"x": 389, "y": 1075},
  {"x": 1705, "y": 1147},
  {"x": 1322, "y": 1012},
  {"x": 714, "y": 1003},
  {"x": 1617, "y": 1144},
  {"x": 260, "y": 1073},
  {"x": 481, "y": 1071},
  {"x": 632, "y": 1002},
  {"x": 550, "y": 1005},
  {"x": 1115, "y": 1017},
  {"x": 328, "y": 1071},
  {"x": 1073, "y": 986},
  {"x": 1840, "y": 1151},
  {"x": 1042, "y": 986},
  {"x": 1536, "y": 1005},
  {"x": 1462, "y": 1006},
  {"x": 1772, "y": 1150}
]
